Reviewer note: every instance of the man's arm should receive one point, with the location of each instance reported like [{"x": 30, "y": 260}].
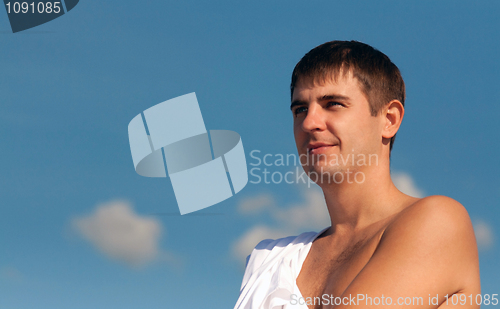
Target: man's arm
[{"x": 429, "y": 250}]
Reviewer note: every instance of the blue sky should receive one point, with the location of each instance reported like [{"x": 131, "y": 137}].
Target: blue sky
[{"x": 70, "y": 87}]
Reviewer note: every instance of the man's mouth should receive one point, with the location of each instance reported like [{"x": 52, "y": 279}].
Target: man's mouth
[{"x": 317, "y": 148}]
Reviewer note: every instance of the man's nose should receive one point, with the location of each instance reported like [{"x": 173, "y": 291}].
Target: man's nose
[{"x": 315, "y": 119}]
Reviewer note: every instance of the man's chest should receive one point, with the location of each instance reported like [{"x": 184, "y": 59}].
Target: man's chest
[{"x": 326, "y": 273}]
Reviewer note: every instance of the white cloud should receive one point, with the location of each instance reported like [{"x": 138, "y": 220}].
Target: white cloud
[
  {"x": 484, "y": 235},
  {"x": 121, "y": 234},
  {"x": 404, "y": 182},
  {"x": 245, "y": 244},
  {"x": 11, "y": 274},
  {"x": 254, "y": 205},
  {"x": 290, "y": 220},
  {"x": 312, "y": 213}
]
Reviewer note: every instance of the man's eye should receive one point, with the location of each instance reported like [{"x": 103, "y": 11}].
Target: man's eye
[
  {"x": 299, "y": 110},
  {"x": 334, "y": 104}
]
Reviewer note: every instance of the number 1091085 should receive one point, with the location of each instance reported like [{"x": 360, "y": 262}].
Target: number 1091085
[{"x": 40, "y": 7}]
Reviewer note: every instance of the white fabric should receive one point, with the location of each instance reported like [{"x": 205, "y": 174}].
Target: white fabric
[{"x": 271, "y": 273}]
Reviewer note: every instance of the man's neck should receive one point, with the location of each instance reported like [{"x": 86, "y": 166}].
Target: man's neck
[{"x": 355, "y": 206}]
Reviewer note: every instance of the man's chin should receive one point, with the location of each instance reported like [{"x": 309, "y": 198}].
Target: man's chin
[
  {"x": 323, "y": 167},
  {"x": 324, "y": 170}
]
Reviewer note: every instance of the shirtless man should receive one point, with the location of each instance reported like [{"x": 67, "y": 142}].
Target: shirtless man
[{"x": 348, "y": 99}]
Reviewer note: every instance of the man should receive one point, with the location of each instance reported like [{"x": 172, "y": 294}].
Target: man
[{"x": 384, "y": 248}]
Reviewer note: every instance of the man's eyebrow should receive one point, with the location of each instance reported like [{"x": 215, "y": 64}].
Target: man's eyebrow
[
  {"x": 326, "y": 97},
  {"x": 297, "y": 102}
]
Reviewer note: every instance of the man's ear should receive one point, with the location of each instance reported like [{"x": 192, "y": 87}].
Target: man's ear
[{"x": 393, "y": 116}]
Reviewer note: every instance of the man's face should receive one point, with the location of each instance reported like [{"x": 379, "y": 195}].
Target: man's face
[{"x": 333, "y": 126}]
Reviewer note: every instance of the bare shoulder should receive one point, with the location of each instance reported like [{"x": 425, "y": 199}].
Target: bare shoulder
[
  {"x": 436, "y": 211},
  {"x": 432, "y": 216},
  {"x": 439, "y": 230},
  {"x": 429, "y": 248}
]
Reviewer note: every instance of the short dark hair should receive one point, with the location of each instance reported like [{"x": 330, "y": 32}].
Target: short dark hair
[{"x": 379, "y": 78}]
